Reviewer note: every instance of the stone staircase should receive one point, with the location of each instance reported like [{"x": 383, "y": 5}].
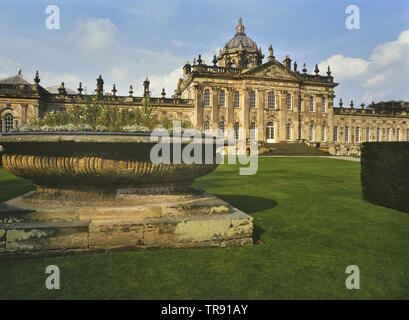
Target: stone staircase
[{"x": 291, "y": 149}]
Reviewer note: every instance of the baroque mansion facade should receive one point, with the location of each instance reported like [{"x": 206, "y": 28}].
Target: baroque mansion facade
[{"x": 238, "y": 91}]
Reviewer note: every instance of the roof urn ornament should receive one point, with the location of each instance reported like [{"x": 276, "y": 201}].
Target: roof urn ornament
[
  {"x": 362, "y": 105},
  {"x": 61, "y": 89},
  {"x": 329, "y": 71},
  {"x": 80, "y": 89},
  {"x": 304, "y": 69},
  {"x": 130, "y": 91},
  {"x": 340, "y": 103},
  {"x": 316, "y": 70},
  {"x": 352, "y": 104},
  {"x": 37, "y": 78},
  {"x": 199, "y": 60},
  {"x": 214, "y": 61},
  {"x": 146, "y": 91},
  {"x": 287, "y": 62},
  {"x": 163, "y": 94},
  {"x": 114, "y": 91},
  {"x": 295, "y": 66}
]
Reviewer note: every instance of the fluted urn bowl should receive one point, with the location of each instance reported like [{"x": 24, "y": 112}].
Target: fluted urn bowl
[{"x": 89, "y": 165}]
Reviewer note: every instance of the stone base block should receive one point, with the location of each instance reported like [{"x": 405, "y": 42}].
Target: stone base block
[{"x": 125, "y": 223}]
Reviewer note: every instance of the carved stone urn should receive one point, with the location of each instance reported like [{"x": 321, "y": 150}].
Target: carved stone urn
[
  {"x": 103, "y": 191},
  {"x": 78, "y": 167}
]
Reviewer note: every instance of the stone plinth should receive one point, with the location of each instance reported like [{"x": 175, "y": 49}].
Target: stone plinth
[{"x": 29, "y": 225}]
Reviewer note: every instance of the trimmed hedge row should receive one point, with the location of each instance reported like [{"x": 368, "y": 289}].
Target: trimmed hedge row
[{"x": 385, "y": 174}]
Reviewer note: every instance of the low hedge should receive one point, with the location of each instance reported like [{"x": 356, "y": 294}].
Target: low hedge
[{"x": 385, "y": 174}]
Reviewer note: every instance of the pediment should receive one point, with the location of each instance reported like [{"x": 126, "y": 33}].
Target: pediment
[{"x": 271, "y": 70}]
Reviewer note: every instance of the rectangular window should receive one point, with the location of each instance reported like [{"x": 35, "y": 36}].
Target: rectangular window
[
  {"x": 252, "y": 99},
  {"x": 222, "y": 99},
  {"x": 335, "y": 134},
  {"x": 368, "y": 134},
  {"x": 323, "y": 105},
  {"x": 378, "y": 134},
  {"x": 288, "y": 101},
  {"x": 236, "y": 100},
  {"x": 357, "y": 135},
  {"x": 271, "y": 100},
  {"x": 398, "y": 134},
  {"x": 388, "y": 134},
  {"x": 346, "y": 134},
  {"x": 311, "y": 104}
]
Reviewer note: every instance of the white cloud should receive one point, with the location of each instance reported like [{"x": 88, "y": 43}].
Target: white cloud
[
  {"x": 345, "y": 68},
  {"x": 119, "y": 74},
  {"x": 94, "y": 34},
  {"x": 382, "y": 77}
]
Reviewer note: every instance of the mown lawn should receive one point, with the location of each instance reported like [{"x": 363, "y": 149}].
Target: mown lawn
[{"x": 310, "y": 221}]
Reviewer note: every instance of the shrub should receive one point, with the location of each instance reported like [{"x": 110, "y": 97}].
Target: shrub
[
  {"x": 385, "y": 174},
  {"x": 97, "y": 117}
]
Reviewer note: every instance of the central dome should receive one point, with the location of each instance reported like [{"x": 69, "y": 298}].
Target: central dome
[{"x": 240, "y": 39}]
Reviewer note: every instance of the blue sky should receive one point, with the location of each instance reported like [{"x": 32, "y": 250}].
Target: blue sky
[{"x": 126, "y": 41}]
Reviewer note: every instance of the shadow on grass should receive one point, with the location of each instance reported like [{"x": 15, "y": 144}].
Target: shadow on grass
[{"x": 249, "y": 205}]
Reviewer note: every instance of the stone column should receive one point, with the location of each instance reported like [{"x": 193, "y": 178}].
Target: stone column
[
  {"x": 198, "y": 106},
  {"x": 260, "y": 115},
  {"x": 245, "y": 110},
  {"x": 214, "y": 100},
  {"x": 229, "y": 106},
  {"x": 282, "y": 117}
]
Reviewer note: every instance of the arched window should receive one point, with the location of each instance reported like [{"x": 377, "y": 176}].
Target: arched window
[
  {"x": 311, "y": 132},
  {"x": 347, "y": 134},
  {"x": 222, "y": 98},
  {"x": 206, "y": 125},
  {"x": 357, "y": 134},
  {"x": 207, "y": 98},
  {"x": 221, "y": 130},
  {"x": 378, "y": 134},
  {"x": 288, "y": 101},
  {"x": 270, "y": 134},
  {"x": 335, "y": 134},
  {"x": 236, "y": 128},
  {"x": 368, "y": 134},
  {"x": 398, "y": 134},
  {"x": 311, "y": 104},
  {"x": 271, "y": 100},
  {"x": 8, "y": 122},
  {"x": 323, "y": 134},
  {"x": 253, "y": 131},
  {"x": 252, "y": 99},
  {"x": 323, "y": 105},
  {"x": 236, "y": 100},
  {"x": 288, "y": 132}
]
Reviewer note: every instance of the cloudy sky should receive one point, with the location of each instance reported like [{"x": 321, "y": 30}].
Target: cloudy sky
[{"x": 126, "y": 41}]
